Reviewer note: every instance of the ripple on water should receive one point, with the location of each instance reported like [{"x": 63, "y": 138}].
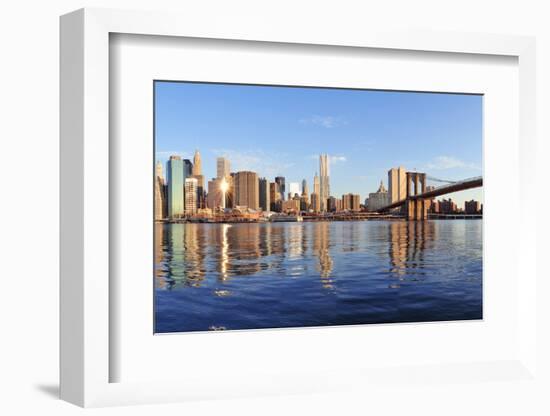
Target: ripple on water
[{"x": 214, "y": 277}]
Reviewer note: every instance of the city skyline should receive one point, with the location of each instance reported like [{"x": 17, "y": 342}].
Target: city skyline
[
  {"x": 246, "y": 189},
  {"x": 341, "y": 207},
  {"x": 356, "y": 165}
]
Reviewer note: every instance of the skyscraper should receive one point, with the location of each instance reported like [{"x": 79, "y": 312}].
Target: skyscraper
[
  {"x": 216, "y": 194},
  {"x": 197, "y": 174},
  {"x": 246, "y": 187},
  {"x": 280, "y": 180},
  {"x": 274, "y": 196},
  {"x": 197, "y": 164},
  {"x": 397, "y": 184},
  {"x": 174, "y": 173},
  {"x": 187, "y": 168},
  {"x": 324, "y": 191},
  {"x": 191, "y": 196},
  {"x": 222, "y": 168},
  {"x": 305, "y": 190},
  {"x": 316, "y": 185},
  {"x": 160, "y": 193},
  {"x": 264, "y": 194},
  {"x": 315, "y": 202},
  {"x": 305, "y": 196},
  {"x": 158, "y": 171},
  {"x": 304, "y": 202}
]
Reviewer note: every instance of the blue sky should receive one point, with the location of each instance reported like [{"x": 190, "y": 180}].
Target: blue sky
[{"x": 281, "y": 131}]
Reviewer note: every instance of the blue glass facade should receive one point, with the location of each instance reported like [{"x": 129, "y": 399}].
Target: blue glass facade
[{"x": 176, "y": 180}]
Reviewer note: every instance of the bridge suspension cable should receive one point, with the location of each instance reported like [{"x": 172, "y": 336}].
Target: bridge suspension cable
[{"x": 439, "y": 180}]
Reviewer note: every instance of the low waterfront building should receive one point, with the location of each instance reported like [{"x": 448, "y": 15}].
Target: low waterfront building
[
  {"x": 378, "y": 199},
  {"x": 351, "y": 202},
  {"x": 291, "y": 206},
  {"x": 332, "y": 204},
  {"x": 472, "y": 207},
  {"x": 447, "y": 206}
]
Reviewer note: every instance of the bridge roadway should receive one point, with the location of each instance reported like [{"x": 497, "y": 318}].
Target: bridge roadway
[{"x": 442, "y": 190}]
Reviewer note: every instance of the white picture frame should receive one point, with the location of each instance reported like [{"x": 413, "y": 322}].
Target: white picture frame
[{"x": 86, "y": 355}]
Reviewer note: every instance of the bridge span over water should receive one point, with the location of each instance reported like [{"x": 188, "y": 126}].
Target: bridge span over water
[{"x": 418, "y": 198}]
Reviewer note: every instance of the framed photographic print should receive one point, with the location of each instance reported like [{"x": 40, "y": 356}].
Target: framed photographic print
[
  {"x": 269, "y": 212},
  {"x": 281, "y": 206}
]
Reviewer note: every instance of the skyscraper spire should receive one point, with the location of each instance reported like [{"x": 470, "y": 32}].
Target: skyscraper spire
[
  {"x": 197, "y": 164},
  {"x": 324, "y": 191},
  {"x": 197, "y": 174}
]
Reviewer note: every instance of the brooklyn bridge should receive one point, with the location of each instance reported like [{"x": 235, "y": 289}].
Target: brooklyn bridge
[{"x": 418, "y": 197}]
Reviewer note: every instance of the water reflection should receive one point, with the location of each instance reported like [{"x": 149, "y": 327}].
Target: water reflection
[
  {"x": 408, "y": 242},
  {"x": 280, "y": 274},
  {"x": 321, "y": 248}
]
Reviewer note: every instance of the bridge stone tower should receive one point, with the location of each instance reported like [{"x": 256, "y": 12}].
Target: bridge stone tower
[{"x": 416, "y": 208}]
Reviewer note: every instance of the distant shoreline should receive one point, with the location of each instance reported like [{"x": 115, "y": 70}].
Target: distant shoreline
[{"x": 309, "y": 220}]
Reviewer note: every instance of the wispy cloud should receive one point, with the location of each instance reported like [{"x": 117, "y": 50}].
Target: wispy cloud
[
  {"x": 337, "y": 159},
  {"x": 265, "y": 164},
  {"x": 449, "y": 162},
  {"x": 328, "y": 122}
]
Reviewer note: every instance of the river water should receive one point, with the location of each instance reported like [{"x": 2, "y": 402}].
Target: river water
[{"x": 274, "y": 275}]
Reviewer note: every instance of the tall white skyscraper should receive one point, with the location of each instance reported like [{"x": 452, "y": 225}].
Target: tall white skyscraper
[
  {"x": 316, "y": 185},
  {"x": 222, "y": 168},
  {"x": 324, "y": 170}
]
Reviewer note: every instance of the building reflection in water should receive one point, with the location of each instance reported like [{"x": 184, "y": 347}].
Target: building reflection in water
[
  {"x": 244, "y": 250},
  {"x": 266, "y": 275},
  {"x": 179, "y": 255},
  {"x": 194, "y": 253},
  {"x": 186, "y": 253},
  {"x": 408, "y": 241},
  {"x": 321, "y": 247},
  {"x": 160, "y": 281},
  {"x": 296, "y": 249}
]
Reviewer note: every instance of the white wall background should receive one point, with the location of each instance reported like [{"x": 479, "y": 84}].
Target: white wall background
[{"x": 29, "y": 204}]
